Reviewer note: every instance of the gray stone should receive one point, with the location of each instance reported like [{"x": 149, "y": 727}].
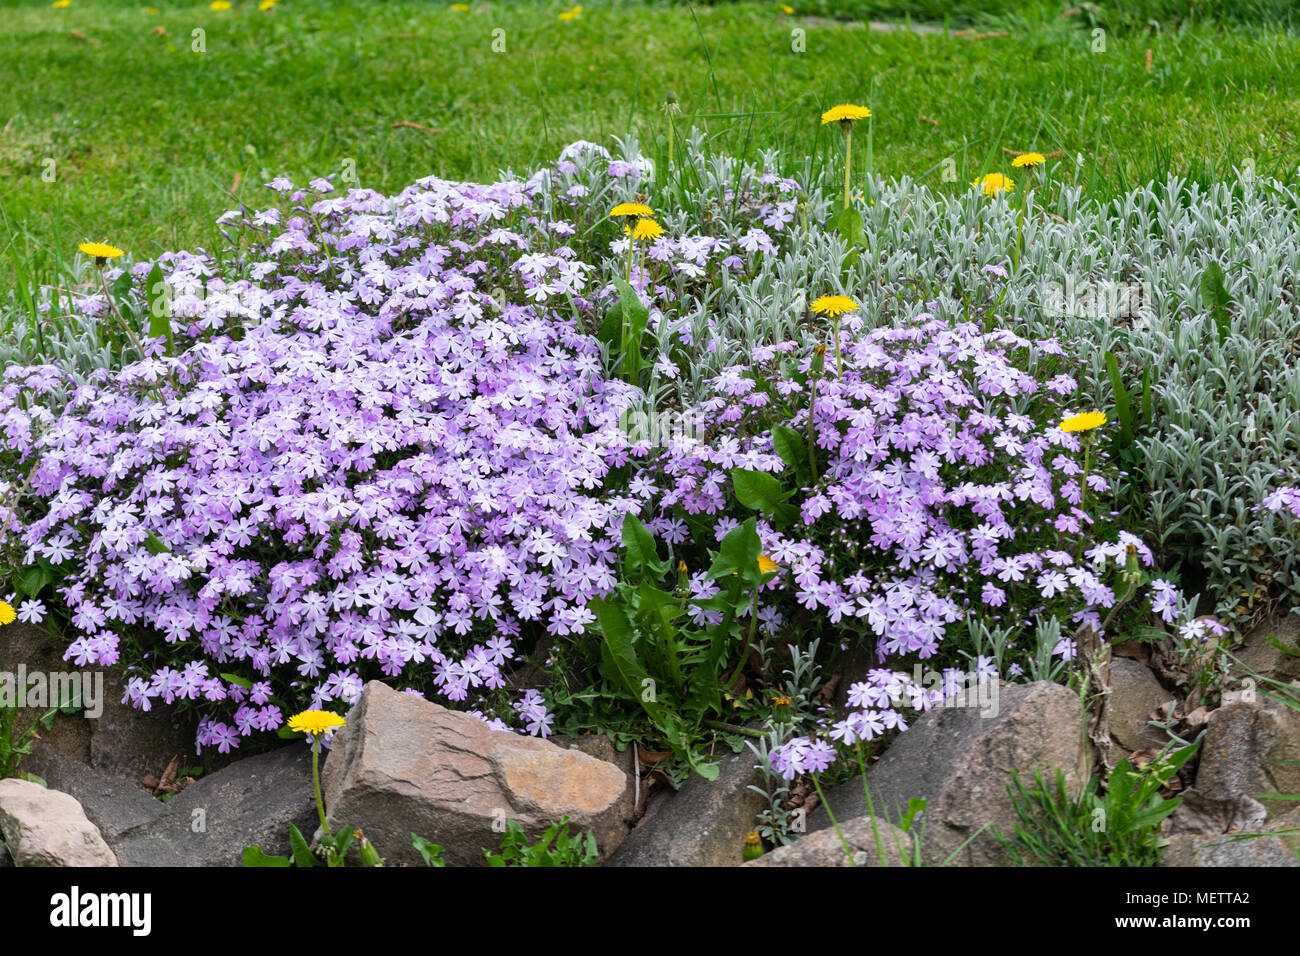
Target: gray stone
[
  {"x": 824, "y": 848},
  {"x": 703, "y": 824},
  {"x": 1260, "y": 656},
  {"x": 405, "y": 765},
  {"x": 960, "y": 763},
  {"x": 132, "y": 743},
  {"x": 114, "y": 804},
  {"x": 32, "y": 648},
  {"x": 47, "y": 828},
  {"x": 1252, "y": 748},
  {"x": 121, "y": 741},
  {"x": 1134, "y": 695},
  {"x": 249, "y": 803},
  {"x": 1186, "y": 849}
]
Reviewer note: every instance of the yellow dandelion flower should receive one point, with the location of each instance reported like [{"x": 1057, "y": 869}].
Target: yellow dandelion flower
[
  {"x": 1085, "y": 422},
  {"x": 834, "y": 305},
  {"x": 570, "y": 15},
  {"x": 100, "y": 250},
  {"x": 266, "y": 5},
  {"x": 994, "y": 183},
  {"x": 845, "y": 113},
  {"x": 315, "y": 722},
  {"x": 780, "y": 701},
  {"x": 1028, "y": 159},
  {"x": 7, "y": 614},
  {"x": 152, "y": 11},
  {"x": 787, "y": 9},
  {"x": 766, "y": 565},
  {"x": 220, "y": 5},
  {"x": 61, "y": 4},
  {"x": 460, "y": 7},
  {"x": 647, "y": 229},
  {"x": 632, "y": 209}
]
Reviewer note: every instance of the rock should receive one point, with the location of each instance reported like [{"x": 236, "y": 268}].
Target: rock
[
  {"x": 1134, "y": 695},
  {"x": 405, "y": 765},
  {"x": 132, "y": 743},
  {"x": 1191, "y": 850},
  {"x": 5, "y": 858},
  {"x": 824, "y": 848},
  {"x": 602, "y": 748},
  {"x": 47, "y": 828},
  {"x": 114, "y": 804},
  {"x": 703, "y": 824},
  {"x": 1252, "y": 748},
  {"x": 249, "y": 803},
  {"x": 1203, "y": 815},
  {"x": 960, "y": 764},
  {"x": 1263, "y": 658},
  {"x": 121, "y": 740},
  {"x": 1239, "y": 817},
  {"x": 33, "y": 650}
]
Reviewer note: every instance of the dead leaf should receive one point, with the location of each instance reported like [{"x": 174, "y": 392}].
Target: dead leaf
[
  {"x": 652, "y": 757},
  {"x": 239, "y": 178},
  {"x": 93, "y": 41},
  {"x": 159, "y": 31},
  {"x": 1148, "y": 60},
  {"x": 1198, "y": 718},
  {"x": 169, "y": 775},
  {"x": 925, "y": 119}
]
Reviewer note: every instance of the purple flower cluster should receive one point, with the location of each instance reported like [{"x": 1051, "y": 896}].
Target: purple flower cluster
[
  {"x": 947, "y": 489},
  {"x": 1284, "y": 499},
  {"x": 363, "y": 465}
]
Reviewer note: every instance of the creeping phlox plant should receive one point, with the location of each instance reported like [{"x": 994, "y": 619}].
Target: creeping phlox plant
[
  {"x": 361, "y": 463},
  {"x": 934, "y": 480}
]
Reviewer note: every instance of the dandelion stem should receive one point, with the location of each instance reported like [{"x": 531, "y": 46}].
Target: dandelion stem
[
  {"x": 315, "y": 779},
  {"x": 848, "y": 162}
]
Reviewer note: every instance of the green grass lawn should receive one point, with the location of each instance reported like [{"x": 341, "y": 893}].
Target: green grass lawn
[{"x": 148, "y": 137}]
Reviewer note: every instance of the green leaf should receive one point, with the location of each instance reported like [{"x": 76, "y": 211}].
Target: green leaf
[
  {"x": 642, "y": 556},
  {"x": 789, "y": 444},
  {"x": 302, "y": 854},
  {"x": 635, "y": 317},
  {"x": 122, "y": 287},
  {"x": 914, "y": 806},
  {"x": 160, "y": 303},
  {"x": 738, "y": 554},
  {"x": 618, "y": 656},
  {"x": 254, "y": 856},
  {"x": 1123, "y": 406},
  {"x": 849, "y": 225},
  {"x": 1215, "y": 296},
  {"x": 431, "y": 853},
  {"x": 238, "y": 681},
  {"x": 32, "y": 579},
  {"x": 155, "y": 545},
  {"x": 764, "y": 492}
]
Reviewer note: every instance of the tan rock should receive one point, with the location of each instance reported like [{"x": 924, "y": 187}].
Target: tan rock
[
  {"x": 404, "y": 765},
  {"x": 48, "y": 828}
]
